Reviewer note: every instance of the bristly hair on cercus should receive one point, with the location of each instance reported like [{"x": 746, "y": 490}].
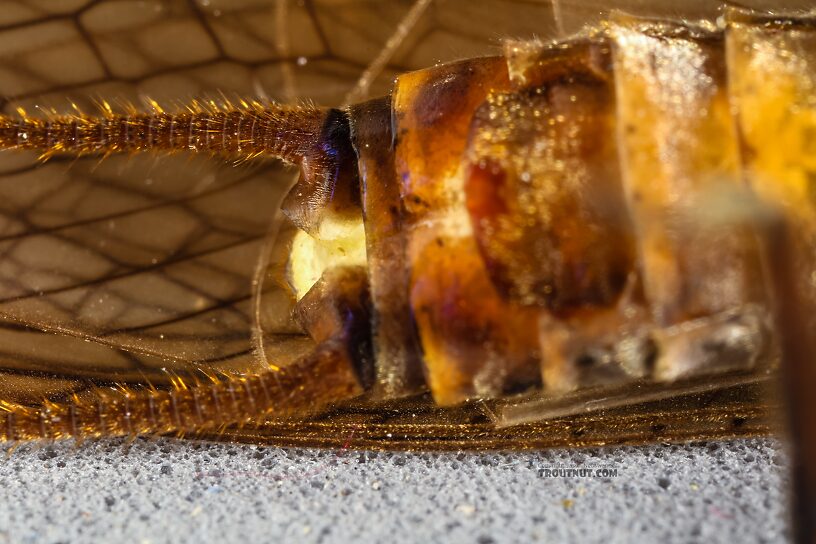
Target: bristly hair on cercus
[
  {"x": 240, "y": 130},
  {"x": 188, "y": 406}
]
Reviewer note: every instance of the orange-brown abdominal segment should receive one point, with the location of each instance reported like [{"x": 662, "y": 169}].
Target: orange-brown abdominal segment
[
  {"x": 475, "y": 343},
  {"x": 772, "y": 76},
  {"x": 543, "y": 187},
  {"x": 398, "y": 360},
  {"x": 545, "y": 199},
  {"x": 681, "y": 171}
]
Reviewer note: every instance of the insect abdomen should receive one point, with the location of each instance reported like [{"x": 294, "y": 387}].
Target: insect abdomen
[{"x": 572, "y": 212}]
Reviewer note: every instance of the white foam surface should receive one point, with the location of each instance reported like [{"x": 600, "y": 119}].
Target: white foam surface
[{"x": 177, "y": 491}]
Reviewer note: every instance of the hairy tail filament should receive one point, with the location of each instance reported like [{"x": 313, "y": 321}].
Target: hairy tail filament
[
  {"x": 318, "y": 379},
  {"x": 245, "y": 131}
]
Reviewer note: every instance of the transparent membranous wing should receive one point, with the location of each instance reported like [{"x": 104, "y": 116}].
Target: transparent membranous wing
[{"x": 129, "y": 270}]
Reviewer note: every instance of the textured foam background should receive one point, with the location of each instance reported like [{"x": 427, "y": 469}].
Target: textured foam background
[{"x": 171, "y": 491}]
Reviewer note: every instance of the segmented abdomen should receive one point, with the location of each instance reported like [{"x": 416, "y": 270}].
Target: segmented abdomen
[{"x": 580, "y": 214}]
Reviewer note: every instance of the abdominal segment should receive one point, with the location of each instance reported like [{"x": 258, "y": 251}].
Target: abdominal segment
[{"x": 581, "y": 216}]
